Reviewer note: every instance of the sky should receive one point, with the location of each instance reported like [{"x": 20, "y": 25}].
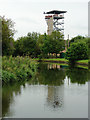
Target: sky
[{"x": 28, "y": 15}]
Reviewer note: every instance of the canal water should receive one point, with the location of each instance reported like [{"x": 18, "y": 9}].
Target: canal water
[{"x": 57, "y": 91}]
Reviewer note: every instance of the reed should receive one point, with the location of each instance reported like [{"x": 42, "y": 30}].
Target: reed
[{"x": 17, "y": 69}]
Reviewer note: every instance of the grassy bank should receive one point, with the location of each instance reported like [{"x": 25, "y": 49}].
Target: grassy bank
[
  {"x": 54, "y": 60},
  {"x": 16, "y": 69},
  {"x": 57, "y": 59},
  {"x": 63, "y": 60},
  {"x": 83, "y": 61}
]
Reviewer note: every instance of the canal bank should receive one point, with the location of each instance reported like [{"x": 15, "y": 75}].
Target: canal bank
[{"x": 62, "y": 60}]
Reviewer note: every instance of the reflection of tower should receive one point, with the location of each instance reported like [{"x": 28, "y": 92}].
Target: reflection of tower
[
  {"x": 53, "y": 66},
  {"x": 55, "y": 97},
  {"x": 55, "y": 21}
]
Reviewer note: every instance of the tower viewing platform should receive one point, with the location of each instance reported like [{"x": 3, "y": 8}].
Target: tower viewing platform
[{"x": 55, "y": 21}]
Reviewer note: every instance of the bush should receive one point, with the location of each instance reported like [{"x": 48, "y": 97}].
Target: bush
[
  {"x": 17, "y": 69},
  {"x": 77, "y": 51},
  {"x": 8, "y": 77}
]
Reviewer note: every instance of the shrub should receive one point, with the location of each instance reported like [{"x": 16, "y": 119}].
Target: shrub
[
  {"x": 8, "y": 77},
  {"x": 17, "y": 69},
  {"x": 77, "y": 51}
]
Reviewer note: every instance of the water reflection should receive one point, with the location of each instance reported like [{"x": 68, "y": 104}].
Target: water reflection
[
  {"x": 51, "y": 75},
  {"x": 77, "y": 75},
  {"x": 8, "y": 93},
  {"x": 55, "y": 97},
  {"x": 56, "y": 66}
]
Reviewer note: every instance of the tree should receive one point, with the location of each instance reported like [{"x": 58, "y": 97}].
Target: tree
[
  {"x": 27, "y": 45},
  {"x": 0, "y": 37},
  {"x": 40, "y": 44},
  {"x": 18, "y": 47},
  {"x": 7, "y": 36},
  {"x": 89, "y": 52},
  {"x": 77, "y": 51},
  {"x": 54, "y": 43},
  {"x": 79, "y": 39}
]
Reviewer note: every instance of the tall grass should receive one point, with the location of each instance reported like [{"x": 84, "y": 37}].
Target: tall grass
[{"x": 17, "y": 69}]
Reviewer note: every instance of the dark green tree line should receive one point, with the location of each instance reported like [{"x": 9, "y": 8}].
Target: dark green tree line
[
  {"x": 7, "y": 36},
  {"x": 36, "y": 45}
]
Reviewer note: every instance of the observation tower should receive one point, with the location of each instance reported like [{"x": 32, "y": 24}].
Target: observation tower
[{"x": 55, "y": 21}]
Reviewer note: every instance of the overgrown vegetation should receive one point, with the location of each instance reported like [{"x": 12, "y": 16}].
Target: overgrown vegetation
[{"x": 17, "y": 69}]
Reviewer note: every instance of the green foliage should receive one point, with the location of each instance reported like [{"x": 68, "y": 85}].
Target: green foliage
[
  {"x": 18, "y": 47},
  {"x": 41, "y": 41},
  {"x": 77, "y": 38},
  {"x": 8, "y": 76},
  {"x": 37, "y": 45},
  {"x": 89, "y": 51},
  {"x": 17, "y": 69},
  {"x": 7, "y": 36},
  {"x": 27, "y": 45},
  {"x": 77, "y": 51},
  {"x": 54, "y": 43}
]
